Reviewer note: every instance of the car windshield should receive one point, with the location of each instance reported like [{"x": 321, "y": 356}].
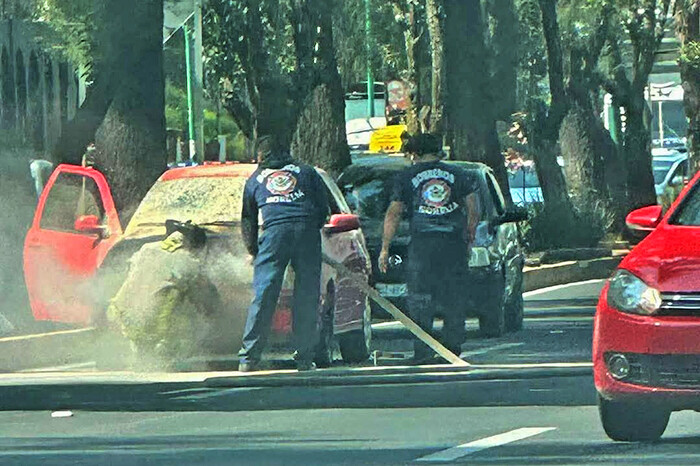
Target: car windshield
[
  {"x": 203, "y": 200},
  {"x": 370, "y": 198},
  {"x": 661, "y": 169},
  {"x": 688, "y": 213}
]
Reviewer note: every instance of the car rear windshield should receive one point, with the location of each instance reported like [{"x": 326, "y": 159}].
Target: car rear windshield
[
  {"x": 201, "y": 200},
  {"x": 368, "y": 190},
  {"x": 688, "y": 214},
  {"x": 661, "y": 168}
]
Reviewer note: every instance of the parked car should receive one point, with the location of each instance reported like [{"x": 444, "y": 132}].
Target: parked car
[
  {"x": 497, "y": 257},
  {"x": 76, "y": 253},
  {"x": 670, "y": 167},
  {"x": 646, "y": 343}
]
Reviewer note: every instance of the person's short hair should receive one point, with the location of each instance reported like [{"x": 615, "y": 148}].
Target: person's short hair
[
  {"x": 421, "y": 144},
  {"x": 269, "y": 144}
]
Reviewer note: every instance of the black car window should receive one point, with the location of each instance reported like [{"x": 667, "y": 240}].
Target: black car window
[
  {"x": 71, "y": 197},
  {"x": 688, "y": 214}
]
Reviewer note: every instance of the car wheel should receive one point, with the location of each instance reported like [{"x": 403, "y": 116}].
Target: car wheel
[
  {"x": 355, "y": 346},
  {"x": 630, "y": 422},
  {"x": 515, "y": 309},
  {"x": 324, "y": 349}
]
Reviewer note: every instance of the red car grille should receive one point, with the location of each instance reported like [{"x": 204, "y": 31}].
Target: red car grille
[
  {"x": 680, "y": 304},
  {"x": 680, "y": 371}
]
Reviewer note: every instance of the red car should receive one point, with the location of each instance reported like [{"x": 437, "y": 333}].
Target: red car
[
  {"x": 646, "y": 343},
  {"x": 76, "y": 236}
]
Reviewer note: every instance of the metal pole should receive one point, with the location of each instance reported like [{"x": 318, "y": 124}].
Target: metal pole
[
  {"x": 661, "y": 123},
  {"x": 190, "y": 110},
  {"x": 370, "y": 75},
  {"x": 198, "y": 81}
]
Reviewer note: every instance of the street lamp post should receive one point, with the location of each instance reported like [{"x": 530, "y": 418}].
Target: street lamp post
[
  {"x": 190, "y": 109},
  {"x": 370, "y": 75}
]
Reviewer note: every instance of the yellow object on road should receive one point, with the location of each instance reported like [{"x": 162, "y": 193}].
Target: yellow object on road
[
  {"x": 173, "y": 242},
  {"x": 397, "y": 314},
  {"x": 387, "y": 139}
]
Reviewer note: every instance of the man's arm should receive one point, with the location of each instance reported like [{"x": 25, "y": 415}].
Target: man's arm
[
  {"x": 249, "y": 221},
  {"x": 391, "y": 223}
]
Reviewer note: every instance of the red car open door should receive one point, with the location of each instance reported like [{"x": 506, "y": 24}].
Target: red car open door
[{"x": 75, "y": 225}]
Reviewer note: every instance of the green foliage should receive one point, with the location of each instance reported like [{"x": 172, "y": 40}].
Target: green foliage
[
  {"x": 72, "y": 27},
  {"x": 690, "y": 55},
  {"x": 175, "y": 107},
  {"x": 388, "y": 46}
]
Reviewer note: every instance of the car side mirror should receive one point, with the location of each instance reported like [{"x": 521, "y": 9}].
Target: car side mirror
[
  {"x": 89, "y": 224},
  {"x": 340, "y": 223},
  {"x": 645, "y": 219},
  {"x": 512, "y": 215}
]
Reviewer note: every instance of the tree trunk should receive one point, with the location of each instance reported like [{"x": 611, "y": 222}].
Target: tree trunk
[
  {"x": 471, "y": 121},
  {"x": 412, "y": 43},
  {"x": 691, "y": 100},
  {"x": 555, "y": 68},
  {"x": 320, "y": 138},
  {"x": 640, "y": 179},
  {"x": 584, "y": 166},
  {"x": 130, "y": 141},
  {"x": 435, "y": 12},
  {"x": 546, "y": 122},
  {"x": 688, "y": 21},
  {"x": 505, "y": 27}
]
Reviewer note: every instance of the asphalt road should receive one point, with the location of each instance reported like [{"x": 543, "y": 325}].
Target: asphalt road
[
  {"x": 506, "y": 435},
  {"x": 538, "y": 420}
]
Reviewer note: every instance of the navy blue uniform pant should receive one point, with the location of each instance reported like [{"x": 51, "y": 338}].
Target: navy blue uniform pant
[
  {"x": 437, "y": 281},
  {"x": 278, "y": 246}
]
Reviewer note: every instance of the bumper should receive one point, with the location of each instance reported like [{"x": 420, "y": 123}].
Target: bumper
[{"x": 663, "y": 355}]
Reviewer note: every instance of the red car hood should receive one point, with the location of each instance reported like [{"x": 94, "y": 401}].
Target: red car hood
[{"x": 669, "y": 259}]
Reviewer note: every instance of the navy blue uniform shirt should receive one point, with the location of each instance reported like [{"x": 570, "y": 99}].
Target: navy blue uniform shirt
[
  {"x": 283, "y": 192},
  {"x": 433, "y": 194}
]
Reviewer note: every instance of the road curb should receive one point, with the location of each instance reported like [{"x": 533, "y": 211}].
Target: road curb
[
  {"x": 318, "y": 378},
  {"x": 536, "y": 278},
  {"x": 441, "y": 374}
]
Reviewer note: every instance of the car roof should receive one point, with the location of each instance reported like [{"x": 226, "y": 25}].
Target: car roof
[
  {"x": 216, "y": 170},
  {"x": 210, "y": 170},
  {"x": 372, "y": 166},
  {"x": 668, "y": 155}
]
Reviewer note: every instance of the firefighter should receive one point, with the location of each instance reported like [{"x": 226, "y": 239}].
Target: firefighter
[
  {"x": 441, "y": 204},
  {"x": 293, "y": 202}
]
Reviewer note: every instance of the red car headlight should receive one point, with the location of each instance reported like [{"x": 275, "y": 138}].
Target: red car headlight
[{"x": 630, "y": 294}]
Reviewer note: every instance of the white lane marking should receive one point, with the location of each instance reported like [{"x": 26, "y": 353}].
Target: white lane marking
[
  {"x": 490, "y": 348},
  {"x": 530, "y": 294},
  {"x": 460, "y": 451}
]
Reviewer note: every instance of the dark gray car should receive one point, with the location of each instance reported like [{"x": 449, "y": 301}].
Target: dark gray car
[{"x": 497, "y": 258}]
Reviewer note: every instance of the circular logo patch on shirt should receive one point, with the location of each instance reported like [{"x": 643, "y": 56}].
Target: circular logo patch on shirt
[
  {"x": 281, "y": 183},
  {"x": 436, "y": 193}
]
